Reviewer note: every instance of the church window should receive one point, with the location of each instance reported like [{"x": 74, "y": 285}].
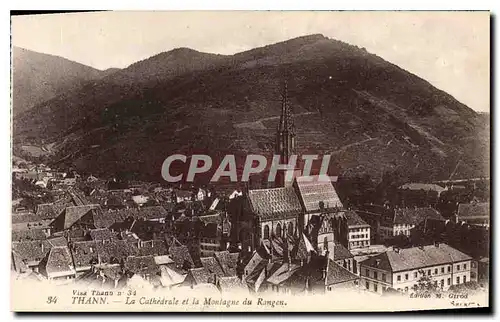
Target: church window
[
  {"x": 266, "y": 232},
  {"x": 278, "y": 230}
]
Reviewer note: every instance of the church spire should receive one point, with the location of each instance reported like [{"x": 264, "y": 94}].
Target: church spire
[
  {"x": 285, "y": 136},
  {"x": 286, "y": 121}
]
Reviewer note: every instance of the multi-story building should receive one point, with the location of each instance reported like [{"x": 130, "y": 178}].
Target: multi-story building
[
  {"x": 400, "y": 221},
  {"x": 402, "y": 269},
  {"x": 358, "y": 231}
]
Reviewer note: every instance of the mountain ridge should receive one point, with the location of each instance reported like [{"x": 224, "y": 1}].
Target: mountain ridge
[
  {"x": 38, "y": 77},
  {"x": 352, "y": 103}
]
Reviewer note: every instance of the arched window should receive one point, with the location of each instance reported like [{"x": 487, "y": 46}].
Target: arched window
[
  {"x": 278, "y": 230},
  {"x": 325, "y": 243},
  {"x": 290, "y": 228},
  {"x": 266, "y": 232}
]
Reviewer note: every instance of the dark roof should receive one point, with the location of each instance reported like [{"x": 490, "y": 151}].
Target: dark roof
[
  {"x": 84, "y": 253},
  {"x": 31, "y": 234},
  {"x": 46, "y": 211},
  {"x": 275, "y": 203},
  {"x": 107, "y": 218},
  {"x": 155, "y": 247},
  {"x": 101, "y": 234},
  {"x": 201, "y": 275},
  {"x": 476, "y": 209},
  {"x": 414, "y": 216},
  {"x": 228, "y": 262},
  {"x": 212, "y": 266},
  {"x": 354, "y": 220},
  {"x": 117, "y": 249},
  {"x": 337, "y": 274},
  {"x": 340, "y": 252},
  {"x": 141, "y": 265},
  {"x": 153, "y": 212},
  {"x": 180, "y": 255},
  {"x": 31, "y": 250},
  {"x": 75, "y": 213},
  {"x": 316, "y": 189},
  {"x": 416, "y": 257}
]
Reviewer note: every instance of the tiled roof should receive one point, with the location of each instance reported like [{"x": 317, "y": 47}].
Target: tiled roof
[
  {"x": 340, "y": 252},
  {"x": 26, "y": 218},
  {"x": 212, "y": 266},
  {"x": 101, "y": 234},
  {"x": 275, "y": 203},
  {"x": 231, "y": 284},
  {"x": 317, "y": 189},
  {"x": 84, "y": 253},
  {"x": 181, "y": 256},
  {"x": 337, "y": 274},
  {"x": 107, "y": 218},
  {"x": 228, "y": 262},
  {"x": 59, "y": 262},
  {"x": 478, "y": 209},
  {"x": 32, "y": 234},
  {"x": 141, "y": 265},
  {"x": 413, "y": 216},
  {"x": 354, "y": 220},
  {"x": 416, "y": 257},
  {"x": 46, "y": 211},
  {"x": 75, "y": 213},
  {"x": 201, "y": 275},
  {"x": 31, "y": 251},
  {"x": 156, "y": 247},
  {"x": 116, "y": 249},
  {"x": 153, "y": 212}
]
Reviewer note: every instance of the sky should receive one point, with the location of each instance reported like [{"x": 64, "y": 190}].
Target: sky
[{"x": 451, "y": 50}]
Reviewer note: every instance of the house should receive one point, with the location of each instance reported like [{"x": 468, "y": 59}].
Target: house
[
  {"x": 474, "y": 213},
  {"x": 359, "y": 231},
  {"x": 228, "y": 262},
  {"x": 76, "y": 218},
  {"x": 401, "y": 269},
  {"x": 198, "y": 276},
  {"x": 58, "y": 265},
  {"x": 400, "y": 221},
  {"x": 27, "y": 255},
  {"x": 85, "y": 255}
]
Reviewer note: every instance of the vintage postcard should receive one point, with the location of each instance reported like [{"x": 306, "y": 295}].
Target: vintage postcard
[{"x": 251, "y": 161}]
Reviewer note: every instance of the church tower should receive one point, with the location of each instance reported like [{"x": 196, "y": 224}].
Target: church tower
[
  {"x": 285, "y": 141},
  {"x": 285, "y": 136}
]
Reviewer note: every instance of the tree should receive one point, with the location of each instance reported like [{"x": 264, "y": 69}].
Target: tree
[{"x": 425, "y": 283}]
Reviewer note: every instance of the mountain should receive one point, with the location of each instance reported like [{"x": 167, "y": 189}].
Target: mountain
[
  {"x": 39, "y": 77},
  {"x": 370, "y": 115}
]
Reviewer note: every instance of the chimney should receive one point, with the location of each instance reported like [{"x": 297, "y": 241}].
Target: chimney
[
  {"x": 421, "y": 247},
  {"x": 436, "y": 244},
  {"x": 396, "y": 249}
]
